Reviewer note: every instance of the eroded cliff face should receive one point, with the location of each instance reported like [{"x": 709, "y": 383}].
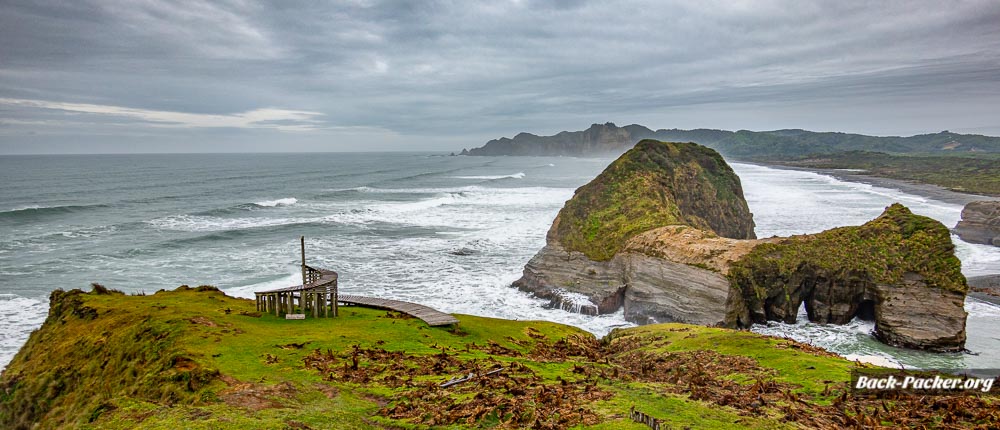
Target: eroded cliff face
[
  {"x": 665, "y": 234},
  {"x": 639, "y": 279},
  {"x": 899, "y": 269},
  {"x": 602, "y": 244},
  {"x": 980, "y": 223}
]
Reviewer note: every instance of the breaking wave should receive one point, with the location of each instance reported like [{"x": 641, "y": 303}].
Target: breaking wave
[{"x": 518, "y": 175}]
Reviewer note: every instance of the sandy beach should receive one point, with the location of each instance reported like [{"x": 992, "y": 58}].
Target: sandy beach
[{"x": 921, "y": 189}]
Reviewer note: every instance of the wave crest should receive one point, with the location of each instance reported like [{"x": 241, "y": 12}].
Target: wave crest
[
  {"x": 518, "y": 175},
  {"x": 288, "y": 201}
]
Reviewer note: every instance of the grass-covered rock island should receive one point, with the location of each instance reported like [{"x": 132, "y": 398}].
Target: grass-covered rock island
[
  {"x": 196, "y": 358},
  {"x": 665, "y": 233}
]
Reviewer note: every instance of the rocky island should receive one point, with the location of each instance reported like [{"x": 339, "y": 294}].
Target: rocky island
[
  {"x": 665, "y": 233},
  {"x": 980, "y": 223}
]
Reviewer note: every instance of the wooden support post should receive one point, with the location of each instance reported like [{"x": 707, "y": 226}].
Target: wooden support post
[
  {"x": 334, "y": 299},
  {"x": 302, "y": 241},
  {"x": 277, "y": 304},
  {"x": 291, "y": 303},
  {"x": 315, "y": 305}
]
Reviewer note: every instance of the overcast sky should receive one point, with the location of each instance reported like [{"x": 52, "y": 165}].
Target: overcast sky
[{"x": 183, "y": 76}]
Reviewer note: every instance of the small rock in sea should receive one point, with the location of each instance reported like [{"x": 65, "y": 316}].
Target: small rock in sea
[{"x": 463, "y": 252}]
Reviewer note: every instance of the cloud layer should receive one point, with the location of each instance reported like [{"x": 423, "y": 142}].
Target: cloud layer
[{"x": 369, "y": 75}]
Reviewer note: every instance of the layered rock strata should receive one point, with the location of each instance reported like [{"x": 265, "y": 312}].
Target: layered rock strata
[{"x": 980, "y": 223}]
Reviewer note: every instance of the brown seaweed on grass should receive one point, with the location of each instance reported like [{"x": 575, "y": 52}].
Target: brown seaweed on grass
[
  {"x": 518, "y": 397},
  {"x": 514, "y": 398}
]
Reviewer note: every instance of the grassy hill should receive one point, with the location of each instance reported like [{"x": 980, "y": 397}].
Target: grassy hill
[{"x": 195, "y": 358}]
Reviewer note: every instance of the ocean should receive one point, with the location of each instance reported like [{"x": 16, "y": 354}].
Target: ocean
[{"x": 448, "y": 232}]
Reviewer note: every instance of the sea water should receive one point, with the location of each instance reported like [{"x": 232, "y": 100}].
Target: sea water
[{"x": 448, "y": 232}]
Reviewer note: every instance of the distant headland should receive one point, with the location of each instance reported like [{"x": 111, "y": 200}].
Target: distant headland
[{"x": 967, "y": 163}]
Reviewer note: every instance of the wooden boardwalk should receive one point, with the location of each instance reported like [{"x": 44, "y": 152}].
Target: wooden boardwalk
[{"x": 429, "y": 315}]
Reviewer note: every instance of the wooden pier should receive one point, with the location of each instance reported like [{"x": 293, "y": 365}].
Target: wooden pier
[
  {"x": 429, "y": 315},
  {"x": 318, "y": 296}
]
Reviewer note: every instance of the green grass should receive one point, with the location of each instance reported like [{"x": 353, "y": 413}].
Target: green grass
[
  {"x": 883, "y": 249},
  {"x": 196, "y": 359}
]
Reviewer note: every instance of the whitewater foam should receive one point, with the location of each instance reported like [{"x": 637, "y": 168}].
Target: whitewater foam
[
  {"x": 198, "y": 223},
  {"x": 288, "y": 201},
  {"x": 18, "y": 317}
]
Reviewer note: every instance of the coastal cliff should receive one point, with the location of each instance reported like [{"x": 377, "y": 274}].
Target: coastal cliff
[
  {"x": 195, "y": 358},
  {"x": 664, "y": 233}
]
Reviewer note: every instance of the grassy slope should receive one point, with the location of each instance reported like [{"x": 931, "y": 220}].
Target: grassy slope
[{"x": 177, "y": 359}]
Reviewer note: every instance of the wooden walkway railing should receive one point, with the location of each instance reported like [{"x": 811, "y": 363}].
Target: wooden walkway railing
[
  {"x": 429, "y": 315},
  {"x": 320, "y": 297}
]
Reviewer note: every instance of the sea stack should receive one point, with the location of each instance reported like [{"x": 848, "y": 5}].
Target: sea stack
[
  {"x": 654, "y": 184},
  {"x": 980, "y": 223},
  {"x": 665, "y": 233}
]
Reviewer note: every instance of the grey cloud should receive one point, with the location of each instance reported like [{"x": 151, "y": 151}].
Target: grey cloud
[{"x": 432, "y": 74}]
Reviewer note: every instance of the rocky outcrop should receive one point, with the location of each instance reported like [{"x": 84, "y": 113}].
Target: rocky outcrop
[
  {"x": 650, "y": 288},
  {"x": 665, "y": 234},
  {"x": 985, "y": 288},
  {"x": 600, "y": 246},
  {"x": 917, "y": 314},
  {"x": 898, "y": 269},
  {"x": 980, "y": 223},
  {"x": 654, "y": 184}
]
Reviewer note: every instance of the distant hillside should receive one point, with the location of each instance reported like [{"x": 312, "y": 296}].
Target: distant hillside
[{"x": 609, "y": 139}]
